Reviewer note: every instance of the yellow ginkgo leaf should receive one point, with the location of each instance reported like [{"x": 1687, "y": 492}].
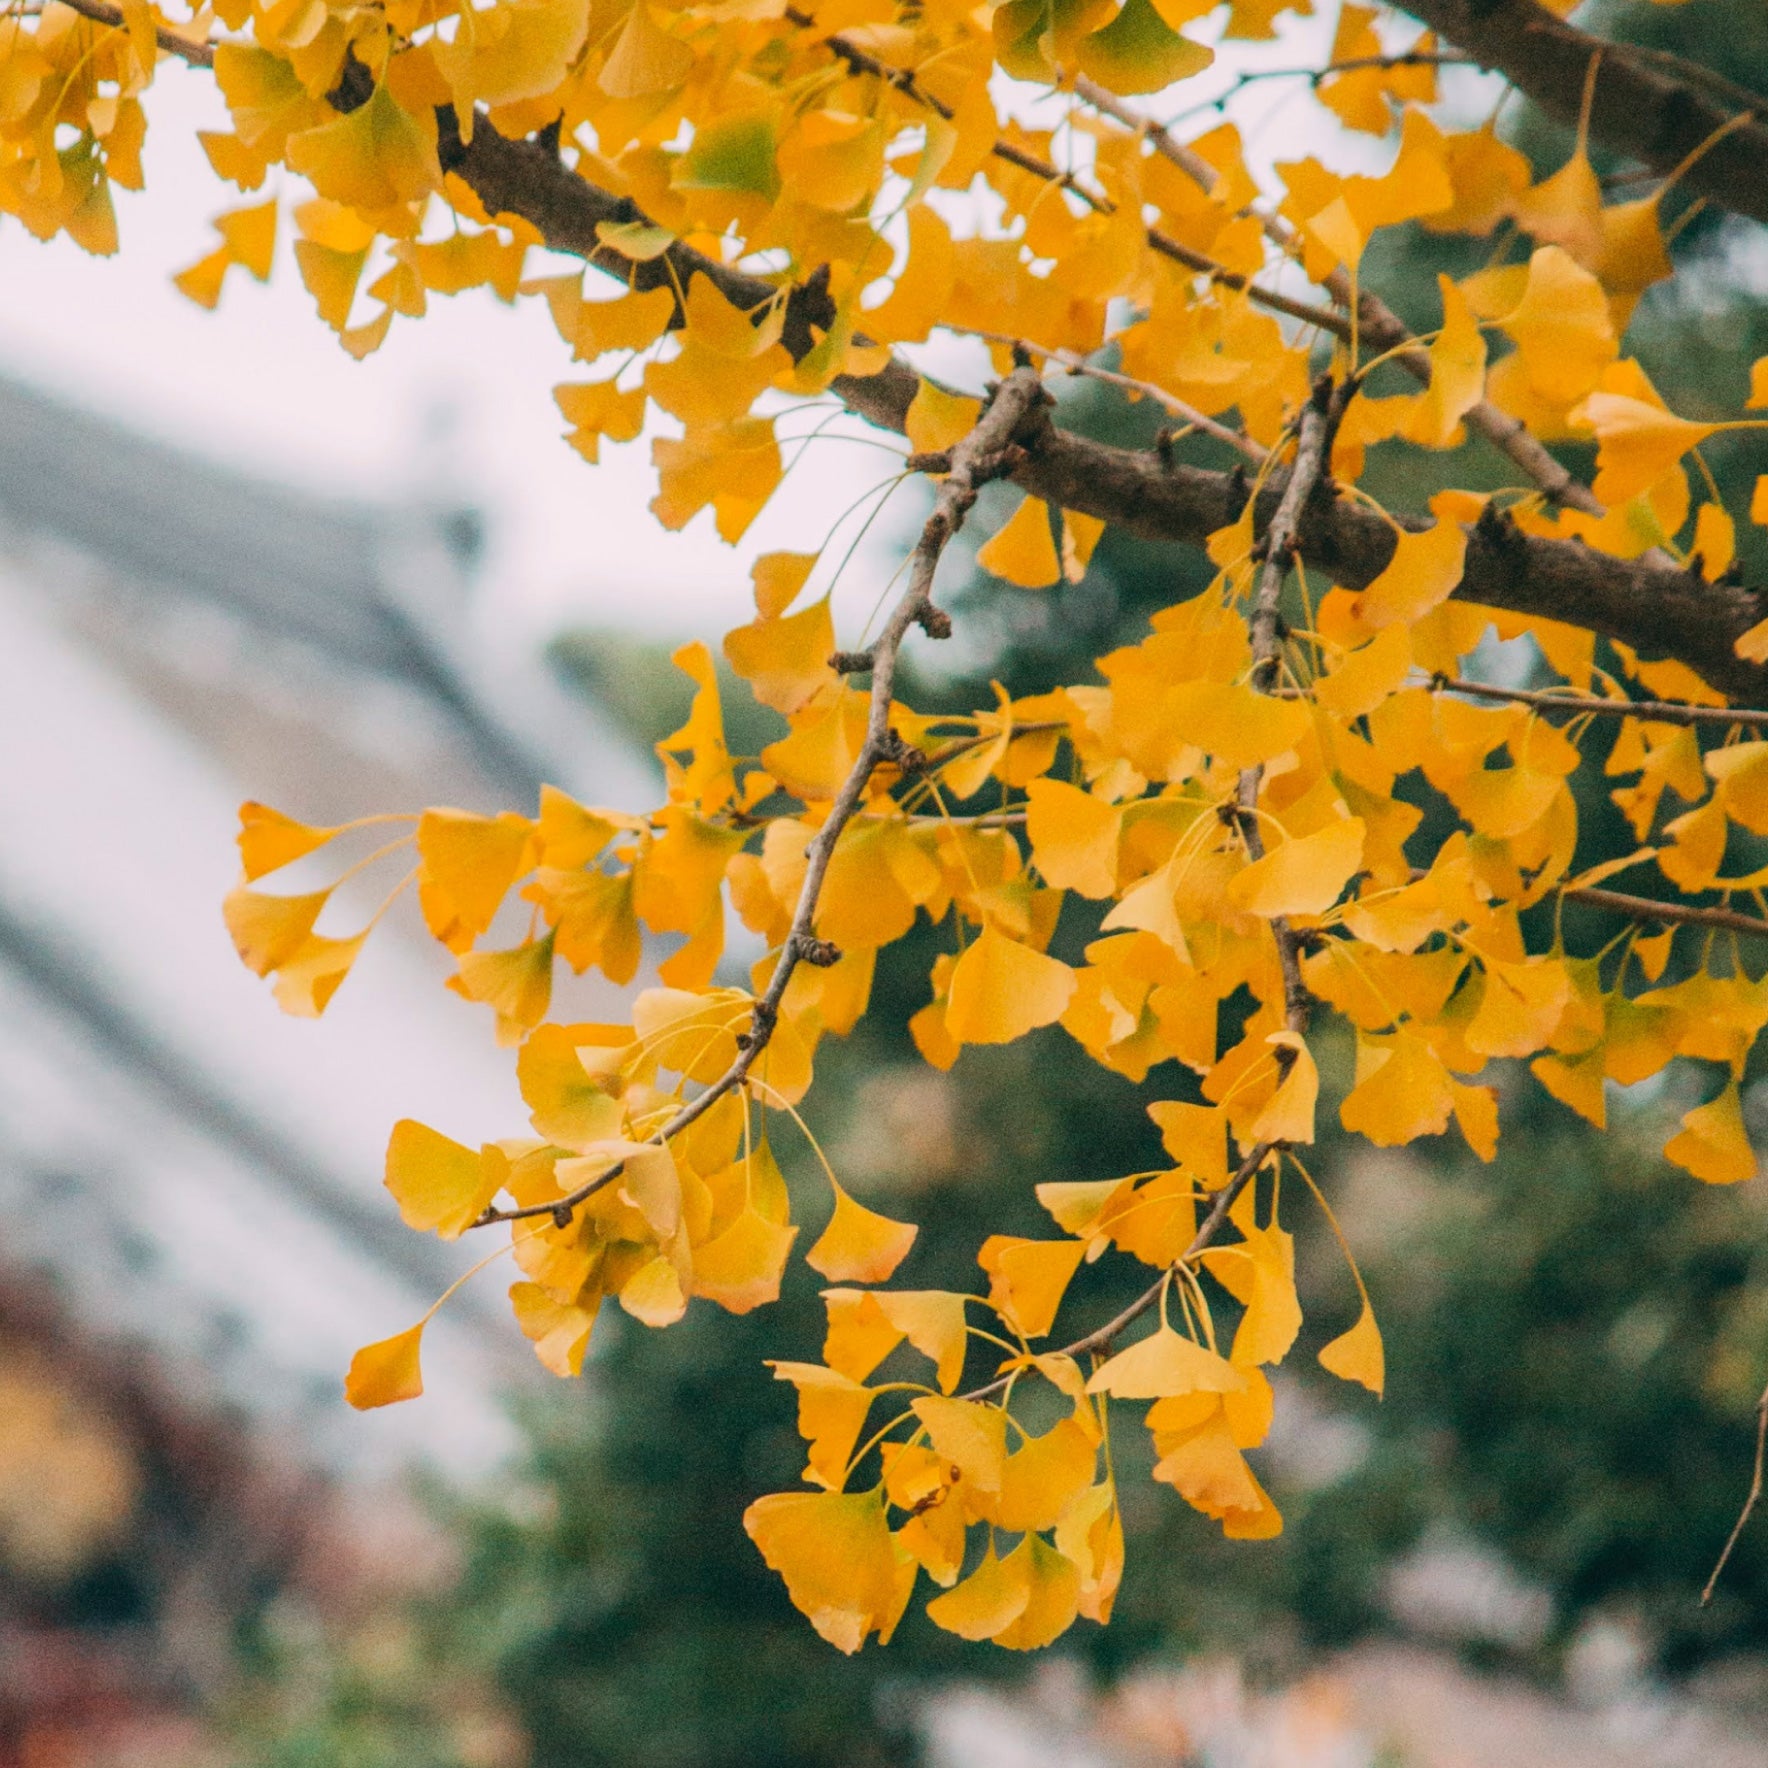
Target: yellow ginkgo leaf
[
  {"x": 1368, "y": 675},
  {"x": 1260, "y": 1274},
  {"x": 383, "y": 1373},
  {"x": 559, "y": 1331},
  {"x": 1422, "y": 573},
  {"x": 1402, "y": 1092},
  {"x": 859, "y": 1245},
  {"x": 933, "y": 1322},
  {"x": 1203, "y": 1464},
  {"x": 1028, "y": 1278},
  {"x": 969, "y": 1434},
  {"x": 1288, "y": 1115},
  {"x": 1080, "y": 535},
  {"x": 742, "y": 1268},
  {"x": 1023, "y": 550},
  {"x": 1044, "y": 1475},
  {"x": 1196, "y": 1136},
  {"x": 832, "y": 1410},
  {"x": 374, "y": 157},
  {"x": 1074, "y": 837},
  {"x": 938, "y": 420},
  {"x": 1457, "y": 374},
  {"x": 1712, "y": 1143},
  {"x": 1001, "y": 989},
  {"x": 1236, "y": 723},
  {"x": 1301, "y": 877},
  {"x": 269, "y": 930},
  {"x": 1562, "y": 327},
  {"x": 785, "y": 660},
  {"x": 1357, "y": 1355},
  {"x": 268, "y": 840},
  {"x": 1052, "y": 1597},
  {"x": 468, "y": 864},
  {"x": 1637, "y": 443},
  {"x": 654, "y": 1294},
  {"x": 987, "y": 1602},
  {"x": 313, "y": 973},
  {"x": 1138, "y": 52},
  {"x": 516, "y": 984},
  {"x": 860, "y": 1334},
  {"x": 778, "y": 577},
  {"x": 1162, "y": 1364},
  {"x": 645, "y": 58},
  {"x": 840, "y": 1566},
  {"x": 438, "y": 1184}
]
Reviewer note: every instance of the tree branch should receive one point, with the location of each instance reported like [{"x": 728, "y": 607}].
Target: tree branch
[
  {"x": 1377, "y": 323},
  {"x": 1650, "y": 107},
  {"x": 1646, "y": 603},
  {"x": 1669, "y": 914},
  {"x": 984, "y": 454},
  {"x": 1749, "y": 1503},
  {"x": 1654, "y": 711},
  {"x": 199, "y": 55},
  {"x": 1314, "y": 444}
]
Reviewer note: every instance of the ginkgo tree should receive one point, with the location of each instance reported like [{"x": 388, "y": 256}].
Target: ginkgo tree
[{"x": 1291, "y": 798}]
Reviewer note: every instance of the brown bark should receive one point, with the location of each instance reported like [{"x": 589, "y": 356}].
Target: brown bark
[{"x": 1650, "y": 108}]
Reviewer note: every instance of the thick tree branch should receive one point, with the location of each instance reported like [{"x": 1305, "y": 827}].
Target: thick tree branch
[
  {"x": 1646, "y": 603},
  {"x": 1649, "y": 107},
  {"x": 1657, "y": 608}
]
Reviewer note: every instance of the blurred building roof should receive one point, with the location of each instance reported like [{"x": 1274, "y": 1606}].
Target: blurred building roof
[{"x": 186, "y": 1170}]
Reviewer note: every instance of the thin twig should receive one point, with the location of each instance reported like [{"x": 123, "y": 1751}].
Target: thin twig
[
  {"x": 985, "y": 453},
  {"x": 1313, "y": 447},
  {"x": 1749, "y": 1503},
  {"x": 1075, "y": 363},
  {"x": 862, "y": 61},
  {"x": 199, "y": 55},
  {"x": 1377, "y": 323},
  {"x": 1647, "y": 908},
  {"x": 1656, "y": 711},
  {"x": 1101, "y": 1338}
]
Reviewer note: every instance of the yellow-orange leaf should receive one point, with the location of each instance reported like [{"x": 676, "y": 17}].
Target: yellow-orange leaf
[
  {"x": 1712, "y": 1143},
  {"x": 559, "y": 1331},
  {"x": 1422, "y": 573},
  {"x": 268, "y": 840},
  {"x": 840, "y": 1566},
  {"x": 1001, "y": 989},
  {"x": 1028, "y": 1278},
  {"x": 1162, "y": 1364},
  {"x": 859, "y": 1245},
  {"x": 1304, "y": 876},
  {"x": 1357, "y": 1355},
  {"x": 436, "y": 1182},
  {"x": 1023, "y": 550},
  {"x": 1074, "y": 837},
  {"x": 383, "y": 1373}
]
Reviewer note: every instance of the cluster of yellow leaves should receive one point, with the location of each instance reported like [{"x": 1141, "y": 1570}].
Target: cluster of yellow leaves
[
  {"x": 1110, "y": 810},
  {"x": 967, "y": 1471},
  {"x": 1116, "y": 798},
  {"x": 734, "y": 130}
]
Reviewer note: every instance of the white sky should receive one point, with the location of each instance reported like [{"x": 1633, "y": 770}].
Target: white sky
[{"x": 466, "y": 391}]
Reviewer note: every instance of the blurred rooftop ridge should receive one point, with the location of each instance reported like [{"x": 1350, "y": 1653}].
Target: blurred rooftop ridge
[{"x": 175, "y": 635}]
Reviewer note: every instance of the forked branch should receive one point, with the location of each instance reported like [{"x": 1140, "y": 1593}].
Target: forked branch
[{"x": 987, "y": 452}]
